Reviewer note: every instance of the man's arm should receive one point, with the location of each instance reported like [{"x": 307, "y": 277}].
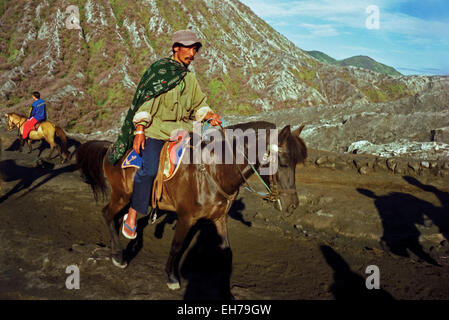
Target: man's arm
[
  {"x": 142, "y": 120},
  {"x": 201, "y": 109}
]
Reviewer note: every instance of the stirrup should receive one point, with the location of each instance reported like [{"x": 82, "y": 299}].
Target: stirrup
[{"x": 153, "y": 215}]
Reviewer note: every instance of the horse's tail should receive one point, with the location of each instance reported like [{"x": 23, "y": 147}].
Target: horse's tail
[
  {"x": 89, "y": 159},
  {"x": 61, "y": 134}
]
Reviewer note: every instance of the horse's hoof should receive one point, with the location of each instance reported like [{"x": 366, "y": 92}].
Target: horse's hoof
[
  {"x": 121, "y": 265},
  {"x": 174, "y": 285}
]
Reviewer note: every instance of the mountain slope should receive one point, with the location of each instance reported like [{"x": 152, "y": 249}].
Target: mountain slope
[
  {"x": 356, "y": 61},
  {"x": 89, "y": 75},
  {"x": 370, "y": 64},
  {"x": 321, "y": 56}
]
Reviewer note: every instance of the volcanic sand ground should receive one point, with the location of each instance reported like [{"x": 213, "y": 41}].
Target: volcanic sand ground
[{"x": 50, "y": 221}]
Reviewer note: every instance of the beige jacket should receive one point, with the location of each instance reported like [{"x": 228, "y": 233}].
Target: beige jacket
[{"x": 173, "y": 110}]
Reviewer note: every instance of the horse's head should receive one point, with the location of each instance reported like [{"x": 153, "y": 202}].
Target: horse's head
[
  {"x": 291, "y": 151},
  {"x": 9, "y": 121}
]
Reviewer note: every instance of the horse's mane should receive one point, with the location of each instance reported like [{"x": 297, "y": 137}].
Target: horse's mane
[
  {"x": 15, "y": 114},
  {"x": 295, "y": 145},
  {"x": 253, "y": 125}
]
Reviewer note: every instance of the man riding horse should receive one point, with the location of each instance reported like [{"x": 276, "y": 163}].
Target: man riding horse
[
  {"x": 38, "y": 114},
  {"x": 171, "y": 101}
]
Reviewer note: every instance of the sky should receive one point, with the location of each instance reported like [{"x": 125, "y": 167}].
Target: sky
[{"x": 410, "y": 35}]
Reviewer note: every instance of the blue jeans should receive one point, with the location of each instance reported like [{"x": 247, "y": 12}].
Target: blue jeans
[{"x": 143, "y": 181}]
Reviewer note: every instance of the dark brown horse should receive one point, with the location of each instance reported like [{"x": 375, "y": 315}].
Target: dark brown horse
[{"x": 197, "y": 191}]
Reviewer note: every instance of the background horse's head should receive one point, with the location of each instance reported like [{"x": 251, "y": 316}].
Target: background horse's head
[
  {"x": 11, "y": 120},
  {"x": 291, "y": 151}
]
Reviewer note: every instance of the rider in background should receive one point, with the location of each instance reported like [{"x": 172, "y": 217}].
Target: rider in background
[{"x": 38, "y": 114}]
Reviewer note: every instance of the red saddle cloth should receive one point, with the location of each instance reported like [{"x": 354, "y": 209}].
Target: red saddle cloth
[
  {"x": 28, "y": 126},
  {"x": 175, "y": 151}
]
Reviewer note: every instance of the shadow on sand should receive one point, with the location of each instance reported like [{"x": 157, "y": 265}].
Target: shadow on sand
[
  {"x": 10, "y": 171},
  {"x": 206, "y": 266},
  {"x": 348, "y": 285},
  {"x": 401, "y": 212}
]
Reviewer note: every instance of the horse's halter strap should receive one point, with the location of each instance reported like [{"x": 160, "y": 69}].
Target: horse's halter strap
[{"x": 273, "y": 183}]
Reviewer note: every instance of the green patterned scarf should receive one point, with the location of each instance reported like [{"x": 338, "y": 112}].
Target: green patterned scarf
[{"x": 160, "y": 77}]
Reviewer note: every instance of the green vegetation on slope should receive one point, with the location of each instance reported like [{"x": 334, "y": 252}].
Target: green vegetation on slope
[
  {"x": 356, "y": 61},
  {"x": 321, "y": 56}
]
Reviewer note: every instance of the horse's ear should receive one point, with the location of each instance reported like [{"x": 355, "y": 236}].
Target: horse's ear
[
  {"x": 283, "y": 135},
  {"x": 298, "y": 131}
]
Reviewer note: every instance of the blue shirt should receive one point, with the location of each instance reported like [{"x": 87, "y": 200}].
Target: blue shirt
[{"x": 39, "y": 110}]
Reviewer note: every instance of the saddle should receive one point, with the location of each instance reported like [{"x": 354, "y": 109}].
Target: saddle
[
  {"x": 36, "y": 126},
  {"x": 169, "y": 162}
]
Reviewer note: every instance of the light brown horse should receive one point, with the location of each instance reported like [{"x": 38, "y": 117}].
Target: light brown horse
[
  {"x": 47, "y": 130},
  {"x": 197, "y": 191}
]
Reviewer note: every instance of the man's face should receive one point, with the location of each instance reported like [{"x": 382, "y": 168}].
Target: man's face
[{"x": 185, "y": 55}]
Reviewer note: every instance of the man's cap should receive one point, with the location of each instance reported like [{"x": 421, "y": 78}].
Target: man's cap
[{"x": 186, "y": 38}]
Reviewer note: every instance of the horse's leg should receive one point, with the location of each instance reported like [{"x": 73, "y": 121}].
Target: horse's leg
[
  {"x": 58, "y": 146},
  {"x": 30, "y": 147},
  {"x": 222, "y": 230},
  {"x": 21, "y": 144},
  {"x": 182, "y": 228},
  {"x": 114, "y": 206},
  {"x": 51, "y": 142}
]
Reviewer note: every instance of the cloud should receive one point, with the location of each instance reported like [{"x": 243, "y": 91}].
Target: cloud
[
  {"x": 422, "y": 71},
  {"x": 315, "y": 8},
  {"x": 350, "y": 14},
  {"x": 321, "y": 30},
  {"x": 410, "y": 33}
]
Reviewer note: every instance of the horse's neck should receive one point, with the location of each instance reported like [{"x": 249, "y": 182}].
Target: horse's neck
[
  {"x": 236, "y": 174},
  {"x": 18, "y": 121}
]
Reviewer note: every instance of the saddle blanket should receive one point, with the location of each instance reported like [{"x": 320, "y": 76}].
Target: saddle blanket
[
  {"x": 132, "y": 160},
  {"x": 175, "y": 151}
]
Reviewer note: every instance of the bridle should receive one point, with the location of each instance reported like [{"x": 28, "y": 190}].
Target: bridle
[
  {"x": 273, "y": 190},
  {"x": 18, "y": 124}
]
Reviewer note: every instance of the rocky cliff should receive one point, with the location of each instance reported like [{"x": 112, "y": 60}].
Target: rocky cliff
[
  {"x": 88, "y": 74},
  {"x": 412, "y": 127}
]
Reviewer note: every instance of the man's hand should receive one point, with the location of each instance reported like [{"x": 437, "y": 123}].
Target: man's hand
[
  {"x": 139, "y": 140},
  {"x": 213, "y": 118}
]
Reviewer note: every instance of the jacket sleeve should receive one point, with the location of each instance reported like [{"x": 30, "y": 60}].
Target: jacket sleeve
[
  {"x": 145, "y": 113},
  {"x": 199, "y": 103},
  {"x": 32, "y": 112}
]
